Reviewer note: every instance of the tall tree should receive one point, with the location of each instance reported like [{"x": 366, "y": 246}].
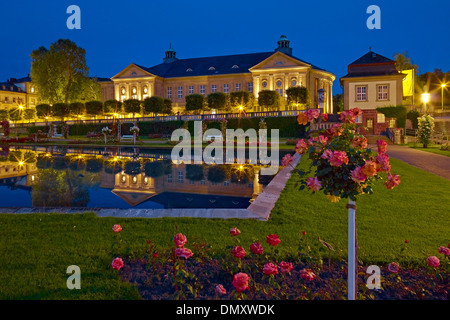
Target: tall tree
[
  {"x": 153, "y": 105},
  {"x": 218, "y": 101},
  {"x": 60, "y": 73},
  {"x": 242, "y": 99},
  {"x": 132, "y": 106},
  {"x": 269, "y": 99},
  {"x": 194, "y": 102},
  {"x": 94, "y": 108},
  {"x": 297, "y": 96},
  {"x": 167, "y": 107}
]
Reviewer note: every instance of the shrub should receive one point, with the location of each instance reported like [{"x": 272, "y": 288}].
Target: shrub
[
  {"x": 425, "y": 129},
  {"x": 398, "y": 112},
  {"x": 413, "y": 116}
]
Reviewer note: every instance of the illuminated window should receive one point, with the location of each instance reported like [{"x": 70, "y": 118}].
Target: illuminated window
[
  {"x": 361, "y": 93},
  {"x": 294, "y": 82},
  {"x": 226, "y": 88},
  {"x": 383, "y": 92},
  {"x": 145, "y": 90},
  {"x": 381, "y": 118}
]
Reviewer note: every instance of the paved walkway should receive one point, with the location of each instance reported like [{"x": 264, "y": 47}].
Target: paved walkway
[{"x": 431, "y": 162}]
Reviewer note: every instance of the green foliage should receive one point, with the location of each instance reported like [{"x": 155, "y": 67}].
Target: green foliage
[
  {"x": 153, "y": 104},
  {"x": 413, "y": 116},
  {"x": 195, "y": 103},
  {"x": 216, "y": 174},
  {"x": 269, "y": 99},
  {"x": 4, "y": 115},
  {"x": 398, "y": 112},
  {"x": 218, "y": 100},
  {"x": 43, "y": 110},
  {"x": 242, "y": 98},
  {"x": 113, "y": 106},
  {"x": 77, "y": 109},
  {"x": 94, "y": 108},
  {"x": 194, "y": 172},
  {"x": 60, "y": 73},
  {"x": 167, "y": 109},
  {"x": 425, "y": 129},
  {"x": 29, "y": 114},
  {"x": 132, "y": 106},
  {"x": 60, "y": 110},
  {"x": 297, "y": 96}
]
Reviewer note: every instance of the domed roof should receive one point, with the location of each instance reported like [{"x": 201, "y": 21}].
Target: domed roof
[{"x": 283, "y": 37}]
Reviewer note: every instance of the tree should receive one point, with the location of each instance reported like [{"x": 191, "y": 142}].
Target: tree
[
  {"x": 112, "y": 107},
  {"x": 297, "y": 96},
  {"x": 91, "y": 90},
  {"x": 167, "y": 107},
  {"x": 132, "y": 106},
  {"x": 29, "y": 114},
  {"x": 77, "y": 109},
  {"x": 269, "y": 99},
  {"x": 195, "y": 103},
  {"x": 43, "y": 111},
  {"x": 338, "y": 102},
  {"x": 59, "y": 73},
  {"x": 403, "y": 62},
  {"x": 218, "y": 101},
  {"x": 242, "y": 99},
  {"x": 15, "y": 114},
  {"x": 94, "y": 108},
  {"x": 60, "y": 110},
  {"x": 4, "y": 115},
  {"x": 153, "y": 105}
]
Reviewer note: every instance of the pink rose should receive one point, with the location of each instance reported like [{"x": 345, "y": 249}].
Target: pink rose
[
  {"x": 444, "y": 250},
  {"x": 256, "y": 248},
  {"x": 235, "y": 231},
  {"x": 286, "y": 266},
  {"x": 183, "y": 253},
  {"x": 307, "y": 274},
  {"x": 301, "y": 146},
  {"x": 323, "y": 140},
  {"x": 117, "y": 228},
  {"x": 327, "y": 154},
  {"x": 313, "y": 183},
  {"x": 338, "y": 158},
  {"x": 180, "y": 240},
  {"x": 393, "y": 181},
  {"x": 382, "y": 146},
  {"x": 312, "y": 114},
  {"x": 369, "y": 169},
  {"x": 382, "y": 161},
  {"x": 356, "y": 112},
  {"x": 286, "y": 160},
  {"x": 324, "y": 117},
  {"x": 393, "y": 267},
  {"x": 273, "y": 239},
  {"x": 347, "y": 116},
  {"x": 117, "y": 263},
  {"x": 221, "y": 290},
  {"x": 269, "y": 269},
  {"x": 359, "y": 142},
  {"x": 238, "y": 252},
  {"x": 357, "y": 175},
  {"x": 240, "y": 281},
  {"x": 433, "y": 261}
]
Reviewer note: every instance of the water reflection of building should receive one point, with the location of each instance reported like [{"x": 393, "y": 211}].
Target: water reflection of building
[
  {"x": 135, "y": 189},
  {"x": 13, "y": 172}
]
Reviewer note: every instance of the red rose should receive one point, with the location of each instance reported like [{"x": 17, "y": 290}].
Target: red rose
[
  {"x": 240, "y": 281},
  {"x": 307, "y": 274},
  {"x": 238, "y": 252},
  {"x": 180, "y": 240},
  {"x": 273, "y": 239},
  {"x": 117, "y": 263},
  {"x": 270, "y": 268},
  {"x": 183, "y": 253},
  {"x": 286, "y": 266},
  {"x": 256, "y": 248},
  {"x": 235, "y": 231},
  {"x": 433, "y": 261}
]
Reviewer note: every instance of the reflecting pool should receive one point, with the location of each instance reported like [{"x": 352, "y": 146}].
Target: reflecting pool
[{"x": 122, "y": 178}]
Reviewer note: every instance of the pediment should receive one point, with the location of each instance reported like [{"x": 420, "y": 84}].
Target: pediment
[
  {"x": 279, "y": 60},
  {"x": 132, "y": 71}
]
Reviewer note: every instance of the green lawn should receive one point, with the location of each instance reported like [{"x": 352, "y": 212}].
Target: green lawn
[
  {"x": 434, "y": 148},
  {"x": 37, "y": 249}
]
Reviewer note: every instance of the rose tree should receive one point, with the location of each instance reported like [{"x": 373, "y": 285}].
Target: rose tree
[{"x": 345, "y": 168}]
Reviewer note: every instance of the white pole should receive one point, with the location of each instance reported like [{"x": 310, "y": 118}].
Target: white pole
[{"x": 351, "y": 250}]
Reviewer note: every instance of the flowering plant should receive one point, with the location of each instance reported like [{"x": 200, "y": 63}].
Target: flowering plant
[
  {"x": 425, "y": 129},
  {"x": 106, "y": 130},
  {"x": 134, "y": 130},
  {"x": 345, "y": 167}
]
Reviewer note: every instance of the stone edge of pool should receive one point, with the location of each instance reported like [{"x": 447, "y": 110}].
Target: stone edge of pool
[{"x": 259, "y": 209}]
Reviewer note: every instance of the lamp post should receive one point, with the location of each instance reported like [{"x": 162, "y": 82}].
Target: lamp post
[
  {"x": 442, "y": 95},
  {"x": 425, "y": 99}
]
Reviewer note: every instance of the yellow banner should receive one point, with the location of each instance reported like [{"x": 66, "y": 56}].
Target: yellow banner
[{"x": 408, "y": 83}]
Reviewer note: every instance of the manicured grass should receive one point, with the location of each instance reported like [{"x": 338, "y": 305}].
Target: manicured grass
[
  {"x": 37, "y": 249},
  {"x": 435, "y": 148}
]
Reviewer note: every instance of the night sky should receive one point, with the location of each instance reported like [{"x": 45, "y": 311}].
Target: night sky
[{"x": 329, "y": 33}]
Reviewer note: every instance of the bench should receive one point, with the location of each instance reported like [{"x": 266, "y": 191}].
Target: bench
[
  {"x": 216, "y": 138},
  {"x": 126, "y": 137}
]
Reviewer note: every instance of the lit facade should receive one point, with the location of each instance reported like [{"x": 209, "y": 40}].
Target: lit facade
[
  {"x": 176, "y": 78},
  {"x": 17, "y": 92}
]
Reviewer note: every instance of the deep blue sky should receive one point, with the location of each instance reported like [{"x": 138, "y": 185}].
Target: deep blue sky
[{"x": 328, "y": 33}]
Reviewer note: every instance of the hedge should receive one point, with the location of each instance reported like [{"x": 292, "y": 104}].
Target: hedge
[{"x": 398, "y": 112}]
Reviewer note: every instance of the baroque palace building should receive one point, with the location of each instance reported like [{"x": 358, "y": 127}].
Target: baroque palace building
[
  {"x": 17, "y": 93},
  {"x": 176, "y": 78}
]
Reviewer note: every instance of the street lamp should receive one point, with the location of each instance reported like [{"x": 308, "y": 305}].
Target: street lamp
[
  {"x": 442, "y": 95},
  {"x": 425, "y": 99}
]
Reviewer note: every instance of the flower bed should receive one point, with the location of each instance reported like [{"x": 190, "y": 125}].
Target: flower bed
[{"x": 257, "y": 272}]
